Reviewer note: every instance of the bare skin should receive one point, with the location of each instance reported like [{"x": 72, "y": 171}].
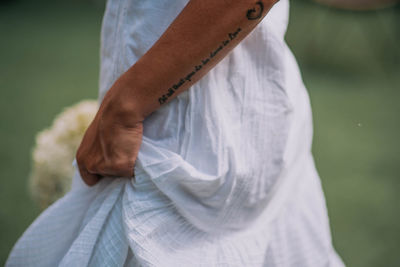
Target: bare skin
[{"x": 200, "y": 36}]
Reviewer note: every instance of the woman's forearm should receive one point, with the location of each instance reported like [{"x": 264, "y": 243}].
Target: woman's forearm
[{"x": 199, "y": 37}]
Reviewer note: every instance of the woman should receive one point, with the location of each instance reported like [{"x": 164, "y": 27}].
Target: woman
[{"x": 200, "y": 152}]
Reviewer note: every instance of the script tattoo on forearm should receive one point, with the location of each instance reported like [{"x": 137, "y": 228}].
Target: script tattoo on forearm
[
  {"x": 188, "y": 77},
  {"x": 252, "y": 14}
]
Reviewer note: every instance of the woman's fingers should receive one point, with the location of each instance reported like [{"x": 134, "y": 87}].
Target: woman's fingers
[
  {"x": 89, "y": 178},
  {"x": 122, "y": 168},
  {"x": 120, "y": 147},
  {"x": 92, "y": 170}
]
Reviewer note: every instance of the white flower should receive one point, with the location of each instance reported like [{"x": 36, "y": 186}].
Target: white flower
[{"x": 54, "y": 151}]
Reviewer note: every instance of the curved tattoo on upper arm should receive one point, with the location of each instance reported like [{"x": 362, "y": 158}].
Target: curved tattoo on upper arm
[{"x": 255, "y": 12}]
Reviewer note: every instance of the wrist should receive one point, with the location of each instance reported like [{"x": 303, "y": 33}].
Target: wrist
[{"x": 121, "y": 106}]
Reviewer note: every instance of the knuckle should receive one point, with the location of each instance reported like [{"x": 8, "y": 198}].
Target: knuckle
[
  {"x": 80, "y": 160},
  {"x": 121, "y": 164},
  {"x": 108, "y": 167},
  {"x": 120, "y": 167},
  {"x": 91, "y": 167}
]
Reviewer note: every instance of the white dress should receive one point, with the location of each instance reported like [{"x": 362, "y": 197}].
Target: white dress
[{"x": 224, "y": 176}]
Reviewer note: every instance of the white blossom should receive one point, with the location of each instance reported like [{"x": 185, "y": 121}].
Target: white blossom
[{"x": 54, "y": 151}]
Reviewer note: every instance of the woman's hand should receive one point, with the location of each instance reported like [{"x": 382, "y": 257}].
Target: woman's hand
[
  {"x": 111, "y": 143},
  {"x": 199, "y": 37}
]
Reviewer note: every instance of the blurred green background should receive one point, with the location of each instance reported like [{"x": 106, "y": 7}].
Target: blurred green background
[{"x": 49, "y": 59}]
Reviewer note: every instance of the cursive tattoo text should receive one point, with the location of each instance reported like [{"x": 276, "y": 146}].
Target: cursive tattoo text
[{"x": 188, "y": 77}]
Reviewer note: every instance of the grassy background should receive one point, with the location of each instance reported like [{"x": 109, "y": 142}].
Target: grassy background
[
  {"x": 49, "y": 55},
  {"x": 351, "y": 66}
]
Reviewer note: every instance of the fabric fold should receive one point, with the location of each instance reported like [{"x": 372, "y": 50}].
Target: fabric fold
[{"x": 224, "y": 175}]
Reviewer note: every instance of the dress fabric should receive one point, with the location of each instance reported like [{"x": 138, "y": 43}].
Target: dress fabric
[{"x": 224, "y": 176}]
